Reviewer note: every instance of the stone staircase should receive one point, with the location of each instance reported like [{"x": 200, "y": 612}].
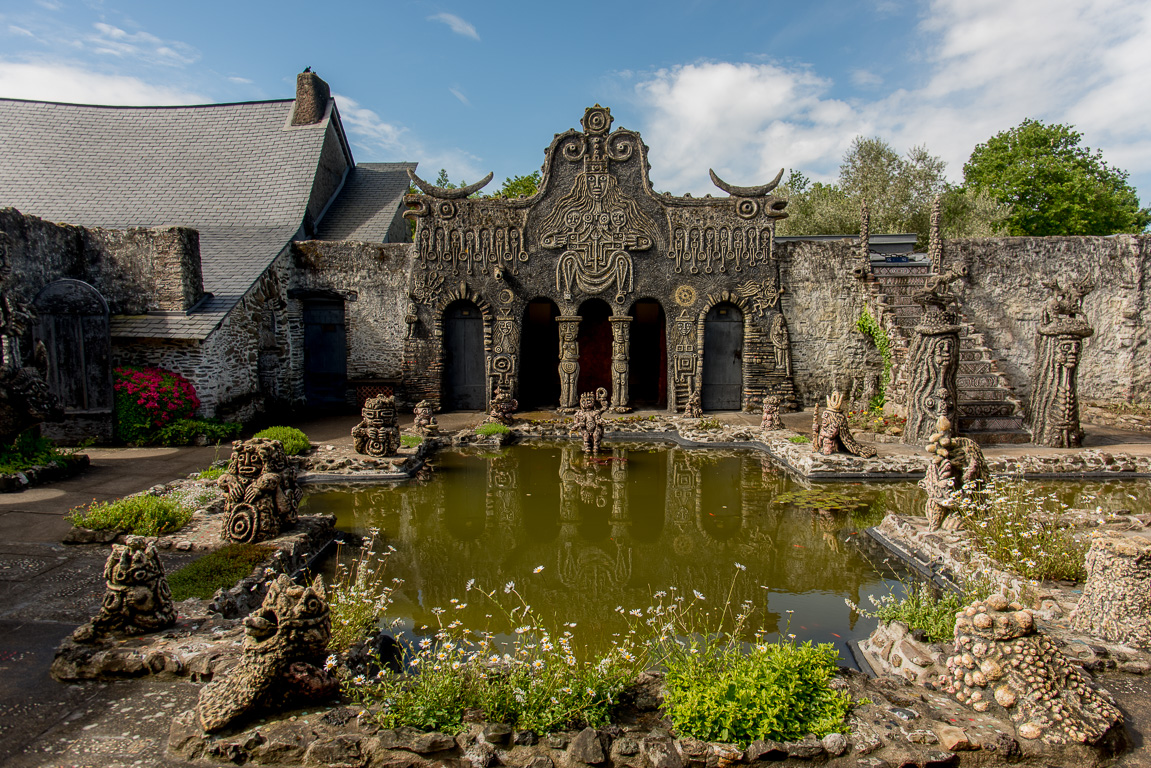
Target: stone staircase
[{"x": 989, "y": 411}]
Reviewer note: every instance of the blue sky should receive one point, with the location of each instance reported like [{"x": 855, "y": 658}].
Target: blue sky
[{"x": 744, "y": 87}]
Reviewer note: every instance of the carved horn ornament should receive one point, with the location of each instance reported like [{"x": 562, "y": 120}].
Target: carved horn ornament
[
  {"x": 450, "y": 194},
  {"x": 735, "y": 191}
]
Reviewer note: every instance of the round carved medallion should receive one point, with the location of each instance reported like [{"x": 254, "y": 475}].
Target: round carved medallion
[{"x": 685, "y": 295}]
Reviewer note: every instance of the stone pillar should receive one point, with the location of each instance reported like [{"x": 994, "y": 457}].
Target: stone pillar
[
  {"x": 620, "y": 354},
  {"x": 1116, "y": 602},
  {"x": 1054, "y": 382},
  {"x": 684, "y": 361},
  {"x": 933, "y": 362},
  {"x": 569, "y": 362}
]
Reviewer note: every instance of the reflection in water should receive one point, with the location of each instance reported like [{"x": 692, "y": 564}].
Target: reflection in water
[{"x": 610, "y": 530}]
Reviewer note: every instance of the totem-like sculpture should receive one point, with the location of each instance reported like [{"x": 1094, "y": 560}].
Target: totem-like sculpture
[
  {"x": 262, "y": 495},
  {"x": 771, "y": 420},
  {"x": 502, "y": 408},
  {"x": 1054, "y": 385},
  {"x": 378, "y": 433},
  {"x": 933, "y": 361},
  {"x": 781, "y": 344},
  {"x": 425, "y": 422},
  {"x": 589, "y": 422},
  {"x": 569, "y": 361},
  {"x": 620, "y": 353},
  {"x": 1002, "y": 660},
  {"x": 137, "y": 599},
  {"x": 830, "y": 432},
  {"x": 956, "y": 463},
  {"x": 694, "y": 407},
  {"x": 285, "y": 643}
]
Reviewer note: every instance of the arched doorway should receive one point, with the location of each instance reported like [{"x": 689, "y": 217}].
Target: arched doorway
[
  {"x": 723, "y": 358},
  {"x": 594, "y": 346},
  {"x": 540, "y": 356},
  {"x": 647, "y": 363},
  {"x": 464, "y": 388}
]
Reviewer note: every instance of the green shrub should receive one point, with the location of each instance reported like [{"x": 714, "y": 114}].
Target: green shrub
[
  {"x": 410, "y": 441},
  {"x": 29, "y": 450},
  {"x": 295, "y": 442},
  {"x": 211, "y": 473},
  {"x": 799, "y": 439},
  {"x": 867, "y": 325},
  {"x": 921, "y": 607},
  {"x": 186, "y": 431},
  {"x": 145, "y": 514},
  {"x": 710, "y": 423},
  {"x": 492, "y": 428},
  {"x": 147, "y": 399},
  {"x": 215, "y": 570}
]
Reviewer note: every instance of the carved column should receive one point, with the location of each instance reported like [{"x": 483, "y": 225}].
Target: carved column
[
  {"x": 620, "y": 354},
  {"x": 684, "y": 361},
  {"x": 934, "y": 365},
  {"x": 1054, "y": 383},
  {"x": 569, "y": 361}
]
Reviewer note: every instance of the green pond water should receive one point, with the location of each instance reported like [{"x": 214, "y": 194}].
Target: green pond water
[{"x": 641, "y": 517}]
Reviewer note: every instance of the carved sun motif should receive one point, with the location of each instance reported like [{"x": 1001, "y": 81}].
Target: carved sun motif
[{"x": 685, "y": 295}]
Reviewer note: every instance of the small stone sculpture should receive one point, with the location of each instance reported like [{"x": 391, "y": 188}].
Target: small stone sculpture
[
  {"x": 262, "y": 495},
  {"x": 771, "y": 420},
  {"x": 425, "y": 422},
  {"x": 933, "y": 360},
  {"x": 378, "y": 433},
  {"x": 1054, "y": 385},
  {"x": 137, "y": 599},
  {"x": 502, "y": 407},
  {"x": 694, "y": 407},
  {"x": 1002, "y": 660},
  {"x": 589, "y": 422},
  {"x": 830, "y": 432},
  {"x": 956, "y": 463},
  {"x": 285, "y": 643},
  {"x": 1116, "y": 601}
]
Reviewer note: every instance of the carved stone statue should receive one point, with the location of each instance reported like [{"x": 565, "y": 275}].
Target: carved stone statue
[
  {"x": 425, "y": 422},
  {"x": 956, "y": 463},
  {"x": 933, "y": 361},
  {"x": 1054, "y": 383},
  {"x": 694, "y": 407},
  {"x": 589, "y": 422},
  {"x": 137, "y": 599},
  {"x": 502, "y": 407},
  {"x": 830, "y": 432},
  {"x": 620, "y": 352},
  {"x": 569, "y": 361},
  {"x": 262, "y": 495},
  {"x": 771, "y": 420},
  {"x": 781, "y": 343},
  {"x": 378, "y": 433},
  {"x": 285, "y": 643}
]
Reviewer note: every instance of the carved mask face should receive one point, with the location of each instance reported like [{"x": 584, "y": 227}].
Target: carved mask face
[
  {"x": 586, "y": 401},
  {"x": 597, "y": 185},
  {"x": 248, "y": 463},
  {"x": 943, "y": 353},
  {"x": 1068, "y": 353}
]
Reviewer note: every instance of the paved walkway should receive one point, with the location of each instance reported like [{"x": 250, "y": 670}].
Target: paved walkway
[{"x": 47, "y": 589}]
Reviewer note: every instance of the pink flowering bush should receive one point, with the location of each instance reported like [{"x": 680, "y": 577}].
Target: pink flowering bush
[{"x": 147, "y": 399}]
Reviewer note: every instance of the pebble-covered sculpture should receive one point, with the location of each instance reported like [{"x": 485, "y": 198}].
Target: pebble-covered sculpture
[
  {"x": 933, "y": 360},
  {"x": 1116, "y": 601},
  {"x": 589, "y": 422},
  {"x": 502, "y": 407},
  {"x": 378, "y": 433},
  {"x": 1054, "y": 384},
  {"x": 425, "y": 422},
  {"x": 956, "y": 463},
  {"x": 137, "y": 599},
  {"x": 285, "y": 643},
  {"x": 830, "y": 432},
  {"x": 1002, "y": 660},
  {"x": 771, "y": 420},
  {"x": 694, "y": 407},
  {"x": 262, "y": 496}
]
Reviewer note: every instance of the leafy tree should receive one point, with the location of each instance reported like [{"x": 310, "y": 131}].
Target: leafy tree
[
  {"x": 1054, "y": 185},
  {"x": 519, "y": 186}
]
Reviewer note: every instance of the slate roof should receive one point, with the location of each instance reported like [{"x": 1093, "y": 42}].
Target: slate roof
[
  {"x": 238, "y": 173},
  {"x": 367, "y": 205}
]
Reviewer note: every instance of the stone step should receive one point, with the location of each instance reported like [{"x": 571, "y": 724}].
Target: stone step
[
  {"x": 995, "y": 436},
  {"x": 989, "y": 382},
  {"x": 1000, "y": 409}
]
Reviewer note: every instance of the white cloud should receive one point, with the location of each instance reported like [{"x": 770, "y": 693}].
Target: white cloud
[
  {"x": 20, "y": 31},
  {"x": 63, "y": 82},
  {"x": 987, "y": 66},
  {"x": 865, "y": 78},
  {"x": 460, "y": 95},
  {"x": 240, "y": 80},
  {"x": 120, "y": 43},
  {"x": 456, "y": 24}
]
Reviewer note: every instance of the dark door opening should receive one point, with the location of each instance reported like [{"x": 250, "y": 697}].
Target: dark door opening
[
  {"x": 325, "y": 353},
  {"x": 464, "y": 388},
  {"x": 594, "y": 346},
  {"x": 647, "y": 366},
  {"x": 540, "y": 356},
  {"x": 723, "y": 358}
]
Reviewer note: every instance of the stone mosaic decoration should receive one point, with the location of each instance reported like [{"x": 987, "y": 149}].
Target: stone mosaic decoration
[
  {"x": 1003, "y": 660},
  {"x": 378, "y": 433},
  {"x": 262, "y": 496},
  {"x": 137, "y": 599},
  {"x": 830, "y": 432},
  {"x": 933, "y": 360},
  {"x": 771, "y": 420},
  {"x": 285, "y": 643},
  {"x": 957, "y": 463},
  {"x": 503, "y": 408},
  {"x": 1116, "y": 601},
  {"x": 589, "y": 422},
  {"x": 1054, "y": 383},
  {"x": 425, "y": 420}
]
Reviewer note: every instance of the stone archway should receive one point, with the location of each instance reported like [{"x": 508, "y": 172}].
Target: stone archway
[
  {"x": 595, "y": 346},
  {"x": 647, "y": 366},
  {"x": 539, "y": 356}
]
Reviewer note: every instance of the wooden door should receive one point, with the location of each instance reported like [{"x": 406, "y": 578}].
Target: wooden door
[
  {"x": 723, "y": 358},
  {"x": 464, "y": 388},
  {"x": 72, "y": 321},
  {"x": 325, "y": 352}
]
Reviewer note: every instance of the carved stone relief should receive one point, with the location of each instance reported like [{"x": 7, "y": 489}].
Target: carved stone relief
[
  {"x": 1054, "y": 383},
  {"x": 620, "y": 352},
  {"x": 569, "y": 360}
]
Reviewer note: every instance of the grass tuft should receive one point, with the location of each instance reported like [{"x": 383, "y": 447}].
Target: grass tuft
[{"x": 216, "y": 570}]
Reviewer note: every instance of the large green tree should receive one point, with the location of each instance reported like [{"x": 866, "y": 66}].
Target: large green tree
[{"x": 1054, "y": 185}]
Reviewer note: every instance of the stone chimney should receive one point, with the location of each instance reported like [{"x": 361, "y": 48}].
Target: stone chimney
[{"x": 312, "y": 96}]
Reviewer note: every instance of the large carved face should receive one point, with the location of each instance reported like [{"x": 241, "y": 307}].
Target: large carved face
[
  {"x": 597, "y": 184},
  {"x": 302, "y": 610},
  {"x": 1067, "y": 354},
  {"x": 587, "y": 401},
  {"x": 249, "y": 462}
]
